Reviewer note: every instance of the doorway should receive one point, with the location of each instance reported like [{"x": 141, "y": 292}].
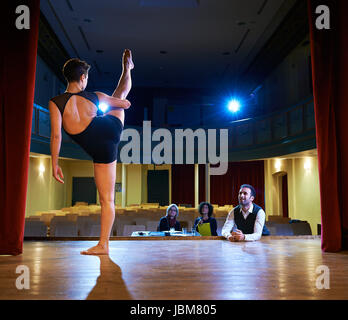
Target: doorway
[
  {"x": 281, "y": 197},
  {"x": 158, "y": 187},
  {"x": 84, "y": 190}
]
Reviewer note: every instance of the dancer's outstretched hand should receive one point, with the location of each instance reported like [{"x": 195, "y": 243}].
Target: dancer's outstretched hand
[{"x": 58, "y": 173}]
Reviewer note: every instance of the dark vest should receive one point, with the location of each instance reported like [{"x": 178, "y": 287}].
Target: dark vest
[{"x": 247, "y": 225}]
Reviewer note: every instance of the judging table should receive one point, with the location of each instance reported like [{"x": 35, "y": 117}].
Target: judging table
[{"x": 165, "y": 234}]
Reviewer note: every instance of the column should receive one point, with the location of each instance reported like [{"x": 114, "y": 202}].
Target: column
[
  {"x": 207, "y": 182},
  {"x": 196, "y": 185},
  {"x": 124, "y": 180}
]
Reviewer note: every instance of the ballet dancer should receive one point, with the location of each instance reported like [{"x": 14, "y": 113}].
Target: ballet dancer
[{"x": 96, "y": 132}]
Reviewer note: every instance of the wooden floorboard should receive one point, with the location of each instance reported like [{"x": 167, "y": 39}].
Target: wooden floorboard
[{"x": 283, "y": 268}]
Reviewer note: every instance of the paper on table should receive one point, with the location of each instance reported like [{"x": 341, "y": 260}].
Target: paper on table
[{"x": 204, "y": 229}]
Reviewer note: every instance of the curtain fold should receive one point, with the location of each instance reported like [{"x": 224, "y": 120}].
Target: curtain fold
[
  {"x": 329, "y": 53},
  {"x": 224, "y": 189},
  {"x": 183, "y": 184},
  {"x": 202, "y": 196},
  {"x": 18, "y": 65}
]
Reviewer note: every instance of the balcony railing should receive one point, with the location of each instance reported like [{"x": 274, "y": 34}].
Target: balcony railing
[{"x": 287, "y": 131}]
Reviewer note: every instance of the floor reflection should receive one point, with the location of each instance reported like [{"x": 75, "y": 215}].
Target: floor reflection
[{"x": 110, "y": 285}]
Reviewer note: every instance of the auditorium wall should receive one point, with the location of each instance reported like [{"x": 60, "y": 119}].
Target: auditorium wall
[
  {"x": 289, "y": 83},
  {"x": 303, "y": 189},
  {"x": 47, "y": 84},
  {"x": 43, "y": 192}
]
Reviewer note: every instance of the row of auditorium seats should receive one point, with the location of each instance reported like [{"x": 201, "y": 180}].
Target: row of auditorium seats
[
  {"x": 289, "y": 229},
  {"x": 86, "y": 226},
  {"x": 84, "y": 220}
]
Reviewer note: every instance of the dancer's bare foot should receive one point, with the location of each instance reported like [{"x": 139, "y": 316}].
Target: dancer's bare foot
[
  {"x": 96, "y": 250},
  {"x": 127, "y": 60}
]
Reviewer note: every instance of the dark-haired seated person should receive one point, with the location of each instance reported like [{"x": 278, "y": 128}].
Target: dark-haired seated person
[
  {"x": 205, "y": 224},
  {"x": 246, "y": 222},
  {"x": 169, "y": 221}
]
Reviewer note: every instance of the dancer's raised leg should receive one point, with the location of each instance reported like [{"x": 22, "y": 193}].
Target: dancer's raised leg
[
  {"x": 125, "y": 82},
  {"x": 105, "y": 178}
]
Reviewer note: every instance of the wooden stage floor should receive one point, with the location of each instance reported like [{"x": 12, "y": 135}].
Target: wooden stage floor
[{"x": 176, "y": 270}]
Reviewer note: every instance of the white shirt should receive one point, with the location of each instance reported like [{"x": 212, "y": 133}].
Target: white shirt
[{"x": 259, "y": 222}]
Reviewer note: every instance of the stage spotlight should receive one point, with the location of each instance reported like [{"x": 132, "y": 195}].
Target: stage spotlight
[
  {"x": 234, "y": 105},
  {"x": 103, "y": 106}
]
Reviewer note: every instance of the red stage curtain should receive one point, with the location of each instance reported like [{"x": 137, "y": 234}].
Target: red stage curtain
[
  {"x": 183, "y": 184},
  {"x": 329, "y": 50},
  {"x": 18, "y": 64},
  {"x": 224, "y": 189}
]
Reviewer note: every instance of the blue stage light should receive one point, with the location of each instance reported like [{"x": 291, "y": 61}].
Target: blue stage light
[
  {"x": 103, "y": 106},
  {"x": 234, "y": 105}
]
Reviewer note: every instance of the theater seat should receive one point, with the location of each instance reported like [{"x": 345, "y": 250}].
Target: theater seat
[
  {"x": 88, "y": 226},
  {"x": 289, "y": 229},
  {"x": 95, "y": 230},
  {"x": 151, "y": 225},
  {"x": 141, "y": 221},
  {"x": 129, "y": 229},
  {"x": 46, "y": 218},
  {"x": 278, "y": 219},
  {"x": 31, "y": 218},
  {"x": 220, "y": 223},
  {"x": 63, "y": 228},
  {"x": 279, "y": 229},
  {"x": 284, "y": 229},
  {"x": 184, "y": 224},
  {"x": 301, "y": 228},
  {"x": 271, "y": 228},
  {"x": 121, "y": 221},
  {"x": 35, "y": 228}
]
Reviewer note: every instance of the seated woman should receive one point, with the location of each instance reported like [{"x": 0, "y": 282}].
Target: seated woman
[
  {"x": 169, "y": 221},
  {"x": 206, "y": 225}
]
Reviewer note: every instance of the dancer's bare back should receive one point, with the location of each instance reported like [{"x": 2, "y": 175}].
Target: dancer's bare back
[{"x": 78, "y": 114}]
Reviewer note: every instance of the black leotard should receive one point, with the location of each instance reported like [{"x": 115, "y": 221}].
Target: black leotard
[
  {"x": 102, "y": 136},
  {"x": 62, "y": 100}
]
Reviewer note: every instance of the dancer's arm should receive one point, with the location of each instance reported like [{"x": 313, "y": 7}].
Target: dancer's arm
[
  {"x": 56, "y": 139},
  {"x": 113, "y": 101}
]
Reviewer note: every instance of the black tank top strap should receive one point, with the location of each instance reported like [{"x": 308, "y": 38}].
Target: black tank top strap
[
  {"x": 91, "y": 96},
  {"x": 62, "y": 100}
]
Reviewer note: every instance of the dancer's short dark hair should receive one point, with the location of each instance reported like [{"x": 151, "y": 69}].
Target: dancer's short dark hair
[
  {"x": 253, "y": 192},
  {"x": 74, "y": 68},
  {"x": 210, "y": 211}
]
